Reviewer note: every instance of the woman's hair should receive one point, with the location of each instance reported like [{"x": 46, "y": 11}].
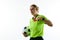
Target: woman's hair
[{"x": 35, "y": 6}]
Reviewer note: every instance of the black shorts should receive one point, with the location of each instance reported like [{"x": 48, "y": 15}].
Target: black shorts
[{"x": 37, "y": 38}]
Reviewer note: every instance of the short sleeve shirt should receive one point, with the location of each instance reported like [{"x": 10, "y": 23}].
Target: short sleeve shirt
[{"x": 37, "y": 27}]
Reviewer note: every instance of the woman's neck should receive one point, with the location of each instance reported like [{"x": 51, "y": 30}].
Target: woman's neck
[{"x": 35, "y": 15}]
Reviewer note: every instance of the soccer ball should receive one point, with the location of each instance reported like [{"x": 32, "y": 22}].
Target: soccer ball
[{"x": 26, "y": 30}]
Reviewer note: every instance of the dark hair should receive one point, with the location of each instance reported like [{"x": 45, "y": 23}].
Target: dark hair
[{"x": 35, "y": 6}]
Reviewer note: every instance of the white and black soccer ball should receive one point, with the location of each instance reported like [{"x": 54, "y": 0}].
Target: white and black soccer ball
[{"x": 27, "y": 30}]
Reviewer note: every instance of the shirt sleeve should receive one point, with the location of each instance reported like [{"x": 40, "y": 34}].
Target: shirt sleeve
[{"x": 44, "y": 17}]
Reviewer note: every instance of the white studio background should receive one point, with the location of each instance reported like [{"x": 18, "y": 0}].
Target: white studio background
[{"x": 15, "y": 15}]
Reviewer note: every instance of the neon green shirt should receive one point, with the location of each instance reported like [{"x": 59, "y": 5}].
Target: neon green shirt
[{"x": 37, "y": 27}]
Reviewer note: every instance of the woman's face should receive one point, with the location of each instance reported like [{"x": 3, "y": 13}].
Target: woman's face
[{"x": 33, "y": 10}]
